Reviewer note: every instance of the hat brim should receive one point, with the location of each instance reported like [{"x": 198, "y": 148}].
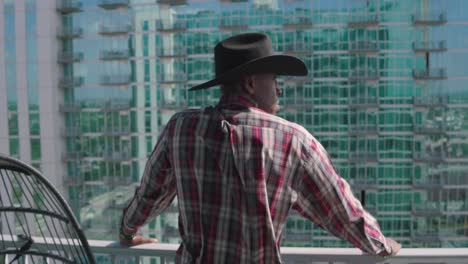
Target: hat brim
[{"x": 277, "y": 64}]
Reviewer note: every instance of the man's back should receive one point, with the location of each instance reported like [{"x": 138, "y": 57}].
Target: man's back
[{"x": 234, "y": 168}]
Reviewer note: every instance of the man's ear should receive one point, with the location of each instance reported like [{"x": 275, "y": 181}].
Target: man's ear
[{"x": 248, "y": 84}]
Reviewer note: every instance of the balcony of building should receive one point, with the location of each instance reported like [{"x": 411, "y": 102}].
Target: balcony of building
[
  {"x": 300, "y": 47},
  {"x": 172, "y": 103},
  {"x": 363, "y": 156},
  {"x": 429, "y": 128},
  {"x": 430, "y": 74},
  {"x": 363, "y": 20},
  {"x": 114, "y": 54},
  {"x": 117, "y": 155},
  {"x": 110, "y": 252},
  {"x": 430, "y": 46},
  {"x": 111, "y": 30},
  {"x": 177, "y": 25},
  {"x": 117, "y": 180},
  {"x": 430, "y": 157},
  {"x": 234, "y": 22},
  {"x": 76, "y": 179},
  {"x": 116, "y": 131},
  {"x": 72, "y": 131},
  {"x": 364, "y": 102},
  {"x": 363, "y": 129},
  {"x": 429, "y": 19},
  {"x": 364, "y": 46},
  {"x": 69, "y": 6},
  {"x": 297, "y": 21},
  {"x": 72, "y": 155},
  {"x": 364, "y": 75},
  {"x": 66, "y": 33},
  {"x": 71, "y": 81},
  {"x": 363, "y": 184},
  {"x": 200, "y": 49},
  {"x": 115, "y": 106},
  {"x": 113, "y": 4},
  {"x": 69, "y": 57},
  {"x": 429, "y": 237},
  {"x": 167, "y": 78},
  {"x": 70, "y": 107},
  {"x": 117, "y": 79},
  {"x": 427, "y": 184},
  {"x": 430, "y": 101},
  {"x": 172, "y": 51},
  {"x": 172, "y": 2},
  {"x": 427, "y": 209},
  {"x": 296, "y": 102}
]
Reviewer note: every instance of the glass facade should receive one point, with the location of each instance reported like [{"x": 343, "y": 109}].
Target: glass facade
[{"x": 385, "y": 96}]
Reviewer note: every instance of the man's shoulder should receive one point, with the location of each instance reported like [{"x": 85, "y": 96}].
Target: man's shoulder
[
  {"x": 186, "y": 113},
  {"x": 278, "y": 123}
]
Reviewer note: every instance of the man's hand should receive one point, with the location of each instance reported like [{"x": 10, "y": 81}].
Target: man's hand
[
  {"x": 395, "y": 246},
  {"x": 137, "y": 240}
]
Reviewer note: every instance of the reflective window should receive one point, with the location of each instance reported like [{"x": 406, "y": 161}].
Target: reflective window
[{"x": 35, "y": 148}]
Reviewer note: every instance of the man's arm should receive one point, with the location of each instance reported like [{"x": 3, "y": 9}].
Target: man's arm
[
  {"x": 156, "y": 192},
  {"x": 326, "y": 199}
]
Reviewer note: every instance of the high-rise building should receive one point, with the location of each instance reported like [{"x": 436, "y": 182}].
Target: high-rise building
[{"x": 86, "y": 86}]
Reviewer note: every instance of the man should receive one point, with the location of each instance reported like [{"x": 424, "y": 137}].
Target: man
[{"x": 237, "y": 169}]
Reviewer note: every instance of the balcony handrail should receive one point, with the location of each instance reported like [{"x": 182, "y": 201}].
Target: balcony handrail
[
  {"x": 288, "y": 254},
  {"x": 430, "y": 45}
]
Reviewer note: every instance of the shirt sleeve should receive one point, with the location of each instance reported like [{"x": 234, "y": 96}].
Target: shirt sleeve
[
  {"x": 156, "y": 191},
  {"x": 327, "y": 200}
]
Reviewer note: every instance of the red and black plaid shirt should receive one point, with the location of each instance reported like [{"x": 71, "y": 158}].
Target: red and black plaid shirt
[{"x": 237, "y": 171}]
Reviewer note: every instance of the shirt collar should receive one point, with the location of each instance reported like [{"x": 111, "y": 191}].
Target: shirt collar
[{"x": 237, "y": 100}]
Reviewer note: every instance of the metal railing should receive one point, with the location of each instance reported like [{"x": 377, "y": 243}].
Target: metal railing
[
  {"x": 172, "y": 51},
  {"x": 297, "y": 20},
  {"x": 172, "y": 2},
  {"x": 424, "y": 46},
  {"x": 70, "y": 107},
  {"x": 364, "y": 74},
  {"x": 68, "y": 6},
  {"x": 430, "y": 100},
  {"x": 114, "y": 29},
  {"x": 114, "y": 54},
  {"x": 110, "y": 4},
  {"x": 363, "y": 156},
  {"x": 165, "y": 253},
  {"x": 437, "y": 73},
  {"x": 70, "y": 32},
  {"x": 434, "y": 18},
  {"x": 118, "y": 79},
  {"x": 172, "y": 78},
  {"x": 234, "y": 22},
  {"x": 68, "y": 57},
  {"x": 364, "y": 129},
  {"x": 364, "y": 46},
  {"x": 300, "y": 47},
  {"x": 364, "y": 19},
  {"x": 364, "y": 101},
  {"x": 176, "y": 25}
]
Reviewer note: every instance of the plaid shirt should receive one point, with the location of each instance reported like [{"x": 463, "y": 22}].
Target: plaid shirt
[{"x": 237, "y": 171}]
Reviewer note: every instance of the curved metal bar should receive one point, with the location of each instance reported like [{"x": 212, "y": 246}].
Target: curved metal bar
[
  {"x": 15, "y": 164},
  {"x": 34, "y": 211}
]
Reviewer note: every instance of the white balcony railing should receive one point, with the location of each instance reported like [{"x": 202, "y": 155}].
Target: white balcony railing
[{"x": 166, "y": 252}]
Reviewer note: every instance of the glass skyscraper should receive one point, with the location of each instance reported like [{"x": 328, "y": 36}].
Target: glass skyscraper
[{"x": 86, "y": 87}]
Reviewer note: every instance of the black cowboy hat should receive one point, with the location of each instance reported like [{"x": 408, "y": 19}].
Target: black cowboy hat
[{"x": 248, "y": 54}]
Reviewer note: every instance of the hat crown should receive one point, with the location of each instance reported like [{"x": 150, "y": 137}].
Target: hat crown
[{"x": 241, "y": 49}]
